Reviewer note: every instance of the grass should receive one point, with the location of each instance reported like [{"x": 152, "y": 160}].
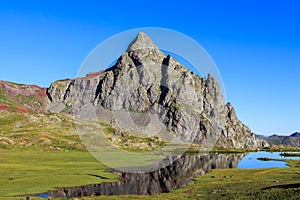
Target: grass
[
  {"x": 30, "y": 166},
  {"x": 282, "y": 148},
  {"x": 45, "y": 131},
  {"x": 27, "y": 172},
  {"x": 38, "y": 132},
  {"x": 242, "y": 184},
  {"x": 4, "y": 98},
  {"x": 291, "y": 154},
  {"x": 31, "y": 172},
  {"x": 271, "y": 183}
]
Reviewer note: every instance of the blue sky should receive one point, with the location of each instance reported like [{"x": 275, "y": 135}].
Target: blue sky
[{"x": 255, "y": 44}]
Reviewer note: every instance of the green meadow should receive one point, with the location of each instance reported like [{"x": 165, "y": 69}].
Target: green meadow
[
  {"x": 42, "y": 152},
  {"x": 28, "y": 172}
]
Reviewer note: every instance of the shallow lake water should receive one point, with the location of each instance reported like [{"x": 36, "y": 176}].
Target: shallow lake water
[
  {"x": 250, "y": 160},
  {"x": 154, "y": 182}
]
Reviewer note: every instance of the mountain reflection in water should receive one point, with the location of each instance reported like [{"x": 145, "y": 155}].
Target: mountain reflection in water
[{"x": 178, "y": 174}]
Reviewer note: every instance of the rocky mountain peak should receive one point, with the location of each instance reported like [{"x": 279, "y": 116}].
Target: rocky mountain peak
[
  {"x": 142, "y": 41},
  {"x": 146, "y": 80}
]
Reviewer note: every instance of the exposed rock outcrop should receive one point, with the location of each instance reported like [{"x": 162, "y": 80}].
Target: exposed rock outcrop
[{"x": 143, "y": 80}]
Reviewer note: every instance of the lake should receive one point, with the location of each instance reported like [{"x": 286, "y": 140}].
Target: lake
[
  {"x": 155, "y": 178},
  {"x": 250, "y": 160},
  {"x": 158, "y": 178}
]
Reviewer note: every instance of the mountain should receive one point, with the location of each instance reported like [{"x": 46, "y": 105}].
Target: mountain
[
  {"x": 151, "y": 90},
  {"x": 296, "y": 134},
  {"x": 145, "y": 80},
  {"x": 292, "y": 140}
]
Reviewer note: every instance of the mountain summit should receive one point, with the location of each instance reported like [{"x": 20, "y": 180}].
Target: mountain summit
[{"x": 142, "y": 41}]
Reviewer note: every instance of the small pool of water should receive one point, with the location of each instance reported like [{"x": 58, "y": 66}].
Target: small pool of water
[{"x": 250, "y": 160}]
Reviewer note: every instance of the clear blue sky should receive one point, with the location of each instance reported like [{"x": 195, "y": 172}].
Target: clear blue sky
[{"x": 255, "y": 44}]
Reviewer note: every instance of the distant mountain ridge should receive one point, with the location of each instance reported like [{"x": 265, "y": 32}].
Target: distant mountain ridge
[
  {"x": 296, "y": 134},
  {"x": 292, "y": 140}
]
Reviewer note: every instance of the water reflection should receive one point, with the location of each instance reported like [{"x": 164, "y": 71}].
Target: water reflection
[
  {"x": 250, "y": 160},
  {"x": 178, "y": 174}
]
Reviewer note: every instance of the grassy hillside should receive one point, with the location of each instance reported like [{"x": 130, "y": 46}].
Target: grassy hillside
[
  {"x": 22, "y": 98},
  {"x": 57, "y": 132},
  {"x": 38, "y": 132}
]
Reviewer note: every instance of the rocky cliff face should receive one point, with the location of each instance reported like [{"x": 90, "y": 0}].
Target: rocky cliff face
[{"x": 145, "y": 80}]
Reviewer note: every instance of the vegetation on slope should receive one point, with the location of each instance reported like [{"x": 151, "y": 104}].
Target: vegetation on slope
[
  {"x": 38, "y": 132},
  {"x": 22, "y": 98}
]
